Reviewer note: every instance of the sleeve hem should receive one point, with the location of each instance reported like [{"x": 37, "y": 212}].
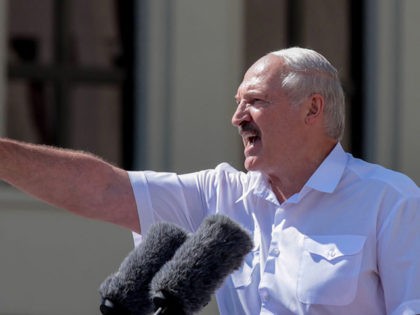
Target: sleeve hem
[{"x": 144, "y": 205}]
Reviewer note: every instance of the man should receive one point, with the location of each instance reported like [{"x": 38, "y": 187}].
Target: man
[{"x": 332, "y": 234}]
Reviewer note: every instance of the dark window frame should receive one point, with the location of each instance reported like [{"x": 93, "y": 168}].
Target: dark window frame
[{"x": 63, "y": 74}]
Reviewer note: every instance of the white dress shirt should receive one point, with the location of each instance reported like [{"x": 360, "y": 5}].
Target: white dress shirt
[{"x": 347, "y": 243}]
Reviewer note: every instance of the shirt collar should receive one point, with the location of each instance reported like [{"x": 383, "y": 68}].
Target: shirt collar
[
  {"x": 325, "y": 179},
  {"x": 258, "y": 186},
  {"x": 329, "y": 173}
]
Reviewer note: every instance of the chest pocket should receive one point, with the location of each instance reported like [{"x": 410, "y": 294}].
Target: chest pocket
[
  {"x": 243, "y": 277},
  {"x": 329, "y": 269}
]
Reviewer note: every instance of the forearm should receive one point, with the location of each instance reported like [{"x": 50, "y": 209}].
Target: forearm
[{"x": 76, "y": 181}]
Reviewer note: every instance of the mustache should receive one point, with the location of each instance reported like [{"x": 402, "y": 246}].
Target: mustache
[{"x": 248, "y": 127}]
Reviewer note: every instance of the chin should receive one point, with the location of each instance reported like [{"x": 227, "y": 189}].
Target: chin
[{"x": 251, "y": 164}]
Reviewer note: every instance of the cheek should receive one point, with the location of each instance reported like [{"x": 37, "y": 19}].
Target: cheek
[
  {"x": 285, "y": 122},
  {"x": 276, "y": 125},
  {"x": 273, "y": 127},
  {"x": 279, "y": 134}
]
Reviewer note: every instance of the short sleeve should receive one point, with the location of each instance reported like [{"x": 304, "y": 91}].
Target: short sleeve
[
  {"x": 398, "y": 257},
  {"x": 168, "y": 197},
  {"x": 186, "y": 199}
]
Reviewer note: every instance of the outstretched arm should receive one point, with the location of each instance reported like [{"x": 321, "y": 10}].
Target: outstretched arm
[{"x": 76, "y": 181}]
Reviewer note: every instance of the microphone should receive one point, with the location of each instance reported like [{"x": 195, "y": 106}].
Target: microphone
[
  {"x": 126, "y": 292},
  {"x": 184, "y": 285}
]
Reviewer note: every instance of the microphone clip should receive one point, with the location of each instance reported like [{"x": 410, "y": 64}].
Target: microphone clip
[
  {"x": 108, "y": 307},
  {"x": 167, "y": 304}
]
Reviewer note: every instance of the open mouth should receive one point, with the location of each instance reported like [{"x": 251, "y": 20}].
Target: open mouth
[
  {"x": 249, "y": 133},
  {"x": 252, "y": 139}
]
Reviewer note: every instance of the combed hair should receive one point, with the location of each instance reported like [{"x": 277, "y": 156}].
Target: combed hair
[{"x": 306, "y": 72}]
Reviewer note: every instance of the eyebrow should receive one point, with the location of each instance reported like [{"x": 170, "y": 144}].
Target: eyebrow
[{"x": 253, "y": 94}]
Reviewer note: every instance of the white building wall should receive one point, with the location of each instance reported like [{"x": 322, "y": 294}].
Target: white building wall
[
  {"x": 409, "y": 156},
  {"x": 52, "y": 261},
  {"x": 192, "y": 63},
  {"x": 392, "y": 70}
]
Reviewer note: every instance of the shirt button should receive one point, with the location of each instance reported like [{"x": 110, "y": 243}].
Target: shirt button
[
  {"x": 331, "y": 253},
  {"x": 265, "y": 296},
  {"x": 275, "y": 251}
]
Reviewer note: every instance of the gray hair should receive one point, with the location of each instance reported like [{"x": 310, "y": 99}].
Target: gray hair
[{"x": 306, "y": 72}]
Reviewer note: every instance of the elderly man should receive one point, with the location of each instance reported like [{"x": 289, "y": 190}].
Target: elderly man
[{"x": 332, "y": 234}]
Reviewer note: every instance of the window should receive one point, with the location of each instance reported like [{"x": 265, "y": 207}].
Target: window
[{"x": 70, "y": 75}]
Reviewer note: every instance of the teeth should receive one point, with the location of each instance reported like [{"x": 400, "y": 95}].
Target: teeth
[{"x": 251, "y": 139}]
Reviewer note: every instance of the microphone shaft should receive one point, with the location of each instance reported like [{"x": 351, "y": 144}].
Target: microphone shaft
[{"x": 160, "y": 311}]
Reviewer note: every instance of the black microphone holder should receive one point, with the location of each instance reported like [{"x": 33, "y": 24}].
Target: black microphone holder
[
  {"x": 166, "y": 304},
  {"x": 107, "y": 307}
]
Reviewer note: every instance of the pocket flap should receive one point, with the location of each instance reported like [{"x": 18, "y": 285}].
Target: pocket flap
[
  {"x": 334, "y": 246},
  {"x": 243, "y": 276}
]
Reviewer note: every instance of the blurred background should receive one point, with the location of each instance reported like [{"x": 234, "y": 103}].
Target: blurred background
[{"x": 149, "y": 84}]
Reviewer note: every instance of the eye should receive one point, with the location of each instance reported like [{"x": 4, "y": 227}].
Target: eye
[
  {"x": 258, "y": 102},
  {"x": 252, "y": 101}
]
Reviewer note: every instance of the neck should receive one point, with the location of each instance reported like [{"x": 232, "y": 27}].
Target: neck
[{"x": 289, "y": 180}]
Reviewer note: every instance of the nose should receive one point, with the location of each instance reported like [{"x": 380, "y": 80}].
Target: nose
[{"x": 241, "y": 114}]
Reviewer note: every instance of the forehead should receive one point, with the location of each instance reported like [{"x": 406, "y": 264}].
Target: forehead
[{"x": 263, "y": 76}]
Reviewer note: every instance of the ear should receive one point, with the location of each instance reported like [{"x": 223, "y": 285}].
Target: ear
[{"x": 315, "y": 108}]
